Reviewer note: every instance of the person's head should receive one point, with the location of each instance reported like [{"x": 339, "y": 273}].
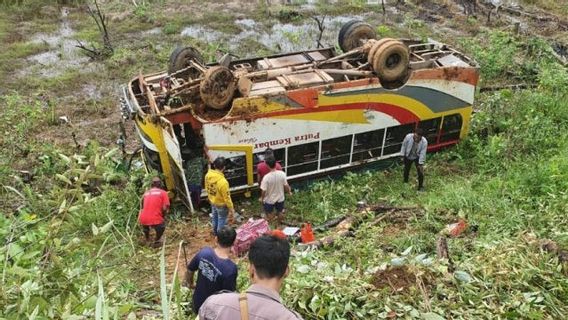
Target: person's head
[
  {"x": 156, "y": 182},
  {"x": 269, "y": 256},
  {"x": 226, "y": 237},
  {"x": 268, "y": 153},
  {"x": 418, "y": 134},
  {"x": 270, "y": 162},
  {"x": 219, "y": 163}
]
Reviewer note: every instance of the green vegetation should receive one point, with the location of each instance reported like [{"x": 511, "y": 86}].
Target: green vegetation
[{"x": 68, "y": 214}]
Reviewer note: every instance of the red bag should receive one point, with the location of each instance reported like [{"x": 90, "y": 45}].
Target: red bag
[
  {"x": 307, "y": 234},
  {"x": 247, "y": 233}
]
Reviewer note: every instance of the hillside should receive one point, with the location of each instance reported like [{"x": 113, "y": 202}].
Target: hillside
[{"x": 70, "y": 195}]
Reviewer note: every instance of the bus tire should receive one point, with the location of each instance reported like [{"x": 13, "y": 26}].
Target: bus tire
[
  {"x": 344, "y": 28},
  {"x": 218, "y": 87},
  {"x": 180, "y": 58},
  {"x": 391, "y": 61},
  {"x": 351, "y": 37},
  {"x": 376, "y": 46}
]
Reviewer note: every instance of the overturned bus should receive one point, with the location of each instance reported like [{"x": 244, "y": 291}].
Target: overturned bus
[{"x": 320, "y": 111}]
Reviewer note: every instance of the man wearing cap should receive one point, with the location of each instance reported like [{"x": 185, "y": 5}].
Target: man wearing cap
[{"x": 154, "y": 206}]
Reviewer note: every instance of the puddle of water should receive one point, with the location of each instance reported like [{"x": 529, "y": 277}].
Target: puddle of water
[
  {"x": 63, "y": 53},
  {"x": 92, "y": 91},
  {"x": 202, "y": 33},
  {"x": 280, "y": 37},
  {"x": 153, "y": 31}
]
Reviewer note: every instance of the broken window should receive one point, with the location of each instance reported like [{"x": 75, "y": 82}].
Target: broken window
[
  {"x": 302, "y": 158},
  {"x": 236, "y": 171},
  {"x": 451, "y": 127},
  {"x": 431, "y": 128},
  {"x": 368, "y": 145},
  {"x": 335, "y": 152},
  {"x": 395, "y": 135}
]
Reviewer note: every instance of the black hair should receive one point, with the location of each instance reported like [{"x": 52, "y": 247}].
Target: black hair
[
  {"x": 219, "y": 163},
  {"x": 268, "y": 153},
  {"x": 270, "y": 161},
  {"x": 270, "y": 256},
  {"x": 156, "y": 182},
  {"x": 226, "y": 236},
  {"x": 419, "y": 131}
]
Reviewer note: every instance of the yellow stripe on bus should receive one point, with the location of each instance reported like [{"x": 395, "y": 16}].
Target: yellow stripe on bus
[{"x": 345, "y": 116}]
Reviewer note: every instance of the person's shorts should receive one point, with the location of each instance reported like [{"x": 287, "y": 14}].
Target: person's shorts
[
  {"x": 278, "y": 206},
  {"x": 159, "y": 228}
]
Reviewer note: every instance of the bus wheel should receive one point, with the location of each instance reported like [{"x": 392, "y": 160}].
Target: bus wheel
[
  {"x": 353, "y": 32},
  {"x": 181, "y": 57},
  {"x": 218, "y": 87},
  {"x": 376, "y": 46},
  {"x": 391, "y": 61}
]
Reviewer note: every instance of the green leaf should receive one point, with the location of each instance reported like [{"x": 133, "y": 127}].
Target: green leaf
[
  {"x": 431, "y": 316},
  {"x": 463, "y": 276},
  {"x": 106, "y": 227}
]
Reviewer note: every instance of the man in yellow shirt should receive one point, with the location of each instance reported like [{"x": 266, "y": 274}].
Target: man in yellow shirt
[{"x": 219, "y": 196}]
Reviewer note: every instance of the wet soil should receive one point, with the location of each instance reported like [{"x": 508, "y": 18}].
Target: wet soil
[{"x": 398, "y": 278}]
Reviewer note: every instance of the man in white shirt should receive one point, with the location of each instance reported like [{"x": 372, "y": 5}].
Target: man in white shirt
[
  {"x": 413, "y": 150},
  {"x": 272, "y": 188}
]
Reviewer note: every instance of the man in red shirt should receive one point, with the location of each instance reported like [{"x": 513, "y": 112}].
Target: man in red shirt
[
  {"x": 154, "y": 206},
  {"x": 262, "y": 168}
]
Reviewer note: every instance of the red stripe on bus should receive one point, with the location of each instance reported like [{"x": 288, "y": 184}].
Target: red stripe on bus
[{"x": 402, "y": 115}]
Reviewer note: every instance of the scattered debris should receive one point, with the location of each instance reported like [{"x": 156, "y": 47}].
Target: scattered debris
[{"x": 456, "y": 229}]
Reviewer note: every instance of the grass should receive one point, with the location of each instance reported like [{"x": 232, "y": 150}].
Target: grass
[{"x": 73, "y": 251}]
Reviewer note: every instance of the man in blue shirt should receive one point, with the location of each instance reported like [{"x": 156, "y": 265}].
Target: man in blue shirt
[
  {"x": 216, "y": 270},
  {"x": 413, "y": 150}
]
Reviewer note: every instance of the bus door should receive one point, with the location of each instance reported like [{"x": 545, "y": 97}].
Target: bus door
[{"x": 176, "y": 179}]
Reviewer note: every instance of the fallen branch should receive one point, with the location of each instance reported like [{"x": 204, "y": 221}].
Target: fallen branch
[
  {"x": 330, "y": 223},
  {"x": 442, "y": 251}
]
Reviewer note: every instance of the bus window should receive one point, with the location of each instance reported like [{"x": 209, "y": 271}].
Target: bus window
[
  {"x": 235, "y": 171},
  {"x": 431, "y": 128},
  {"x": 302, "y": 158},
  {"x": 451, "y": 127},
  {"x": 335, "y": 152},
  {"x": 395, "y": 135},
  {"x": 368, "y": 145},
  {"x": 279, "y": 154}
]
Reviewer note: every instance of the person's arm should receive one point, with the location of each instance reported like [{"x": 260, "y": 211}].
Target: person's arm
[
  {"x": 166, "y": 203},
  {"x": 287, "y": 189},
  {"x": 188, "y": 281},
  {"x": 226, "y": 194},
  {"x": 191, "y": 268},
  {"x": 422, "y": 155},
  {"x": 262, "y": 191},
  {"x": 404, "y": 146}
]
